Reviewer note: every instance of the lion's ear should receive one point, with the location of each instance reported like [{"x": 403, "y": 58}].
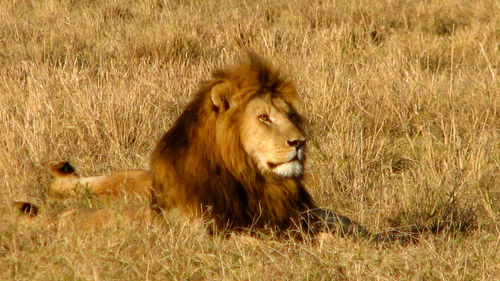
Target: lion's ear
[
  {"x": 62, "y": 169},
  {"x": 26, "y": 208},
  {"x": 221, "y": 96}
]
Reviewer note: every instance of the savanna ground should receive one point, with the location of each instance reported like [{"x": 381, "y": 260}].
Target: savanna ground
[{"x": 402, "y": 108}]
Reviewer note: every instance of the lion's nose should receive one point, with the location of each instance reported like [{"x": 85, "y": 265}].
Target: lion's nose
[{"x": 296, "y": 143}]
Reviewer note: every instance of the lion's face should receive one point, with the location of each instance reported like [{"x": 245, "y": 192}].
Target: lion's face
[{"x": 271, "y": 137}]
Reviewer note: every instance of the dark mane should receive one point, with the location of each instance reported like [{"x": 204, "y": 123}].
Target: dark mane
[{"x": 201, "y": 167}]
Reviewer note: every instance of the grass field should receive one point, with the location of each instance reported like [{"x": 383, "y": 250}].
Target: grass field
[{"x": 402, "y": 113}]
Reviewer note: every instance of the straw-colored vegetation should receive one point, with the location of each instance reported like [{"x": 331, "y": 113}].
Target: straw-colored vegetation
[{"x": 403, "y": 119}]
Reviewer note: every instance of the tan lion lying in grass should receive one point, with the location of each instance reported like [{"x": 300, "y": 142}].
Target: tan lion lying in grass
[
  {"x": 66, "y": 183},
  {"x": 234, "y": 157}
]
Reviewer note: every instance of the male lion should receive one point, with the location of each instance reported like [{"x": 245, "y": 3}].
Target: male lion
[
  {"x": 125, "y": 182},
  {"x": 236, "y": 155}
]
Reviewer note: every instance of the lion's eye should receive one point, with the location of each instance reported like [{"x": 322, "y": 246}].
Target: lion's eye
[
  {"x": 293, "y": 116},
  {"x": 265, "y": 118}
]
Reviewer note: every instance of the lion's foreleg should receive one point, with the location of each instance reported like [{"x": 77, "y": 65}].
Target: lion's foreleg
[{"x": 324, "y": 220}]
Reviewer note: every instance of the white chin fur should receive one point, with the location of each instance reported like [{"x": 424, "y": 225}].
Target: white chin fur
[{"x": 289, "y": 169}]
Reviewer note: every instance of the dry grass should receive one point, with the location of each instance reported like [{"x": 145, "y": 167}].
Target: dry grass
[{"x": 403, "y": 117}]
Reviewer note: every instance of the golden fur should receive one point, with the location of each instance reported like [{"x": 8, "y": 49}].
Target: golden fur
[
  {"x": 236, "y": 154},
  {"x": 121, "y": 183}
]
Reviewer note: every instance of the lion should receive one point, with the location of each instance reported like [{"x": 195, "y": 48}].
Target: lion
[
  {"x": 66, "y": 182},
  {"x": 120, "y": 184},
  {"x": 236, "y": 156},
  {"x": 135, "y": 184}
]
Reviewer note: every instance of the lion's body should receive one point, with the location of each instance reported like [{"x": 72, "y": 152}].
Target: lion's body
[
  {"x": 207, "y": 164},
  {"x": 120, "y": 183}
]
